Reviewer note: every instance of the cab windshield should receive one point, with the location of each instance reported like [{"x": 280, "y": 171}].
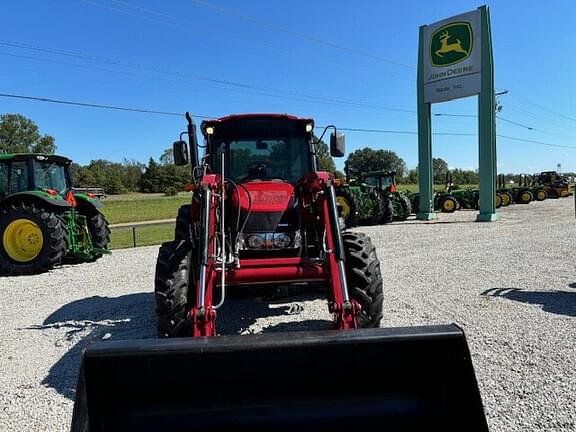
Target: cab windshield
[
  {"x": 50, "y": 175},
  {"x": 265, "y": 159}
]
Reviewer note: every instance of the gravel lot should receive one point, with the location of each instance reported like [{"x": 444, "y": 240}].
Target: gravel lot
[{"x": 510, "y": 284}]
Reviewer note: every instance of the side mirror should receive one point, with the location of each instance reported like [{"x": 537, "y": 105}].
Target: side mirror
[
  {"x": 337, "y": 144},
  {"x": 180, "y": 151}
]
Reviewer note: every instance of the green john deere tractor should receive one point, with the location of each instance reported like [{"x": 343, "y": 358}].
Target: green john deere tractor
[
  {"x": 42, "y": 220},
  {"x": 469, "y": 198},
  {"x": 362, "y": 204},
  {"x": 385, "y": 183}
]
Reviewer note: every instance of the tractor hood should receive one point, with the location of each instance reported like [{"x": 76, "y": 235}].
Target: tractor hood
[
  {"x": 267, "y": 206},
  {"x": 264, "y": 196}
]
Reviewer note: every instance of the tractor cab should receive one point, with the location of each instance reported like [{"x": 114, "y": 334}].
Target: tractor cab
[
  {"x": 34, "y": 172},
  {"x": 382, "y": 180}
]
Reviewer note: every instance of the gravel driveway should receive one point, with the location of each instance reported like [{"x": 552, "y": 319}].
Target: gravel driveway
[{"x": 511, "y": 285}]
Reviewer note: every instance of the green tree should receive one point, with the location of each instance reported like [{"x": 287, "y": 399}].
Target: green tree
[
  {"x": 19, "y": 134},
  {"x": 413, "y": 176},
  {"x": 367, "y": 159},
  {"x": 440, "y": 167},
  {"x": 325, "y": 161}
]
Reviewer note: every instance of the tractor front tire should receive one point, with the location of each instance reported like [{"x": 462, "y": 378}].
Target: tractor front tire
[
  {"x": 32, "y": 240},
  {"x": 506, "y": 198},
  {"x": 364, "y": 277},
  {"x": 541, "y": 195},
  {"x": 99, "y": 232},
  {"x": 183, "y": 223},
  {"x": 171, "y": 289},
  {"x": 524, "y": 197}
]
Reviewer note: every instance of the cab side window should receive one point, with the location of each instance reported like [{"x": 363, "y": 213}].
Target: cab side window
[
  {"x": 3, "y": 179},
  {"x": 18, "y": 177}
]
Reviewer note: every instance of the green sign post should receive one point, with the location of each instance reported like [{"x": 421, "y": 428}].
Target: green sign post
[{"x": 455, "y": 61}]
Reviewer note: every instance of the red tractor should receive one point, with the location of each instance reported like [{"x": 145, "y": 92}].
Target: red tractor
[{"x": 262, "y": 213}]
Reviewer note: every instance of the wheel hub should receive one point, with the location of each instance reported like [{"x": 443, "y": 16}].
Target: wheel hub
[
  {"x": 23, "y": 240},
  {"x": 343, "y": 202}
]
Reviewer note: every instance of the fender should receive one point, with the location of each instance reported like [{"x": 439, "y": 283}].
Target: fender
[
  {"x": 88, "y": 203},
  {"x": 37, "y": 197}
]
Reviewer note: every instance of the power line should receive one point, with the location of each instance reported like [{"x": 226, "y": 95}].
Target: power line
[
  {"x": 300, "y": 35},
  {"x": 171, "y": 113},
  {"x": 228, "y": 83},
  {"x": 92, "y": 105}
]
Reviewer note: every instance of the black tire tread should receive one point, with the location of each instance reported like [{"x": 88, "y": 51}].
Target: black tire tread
[
  {"x": 171, "y": 288},
  {"x": 54, "y": 233},
  {"x": 364, "y": 277}
]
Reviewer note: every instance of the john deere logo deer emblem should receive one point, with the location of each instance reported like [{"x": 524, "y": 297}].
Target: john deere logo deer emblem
[{"x": 451, "y": 44}]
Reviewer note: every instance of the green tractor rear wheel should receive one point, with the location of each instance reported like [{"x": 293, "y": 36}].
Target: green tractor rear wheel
[
  {"x": 349, "y": 205},
  {"x": 406, "y": 207},
  {"x": 32, "y": 240},
  {"x": 498, "y": 200}
]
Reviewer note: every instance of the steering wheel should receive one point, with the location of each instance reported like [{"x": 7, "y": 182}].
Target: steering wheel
[{"x": 258, "y": 170}]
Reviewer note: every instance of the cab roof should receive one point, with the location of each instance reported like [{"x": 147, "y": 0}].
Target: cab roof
[
  {"x": 41, "y": 156},
  {"x": 246, "y": 118}
]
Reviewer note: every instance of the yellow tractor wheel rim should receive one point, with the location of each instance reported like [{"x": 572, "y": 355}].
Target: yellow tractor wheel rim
[
  {"x": 498, "y": 200},
  {"x": 23, "y": 240},
  {"x": 526, "y": 196},
  {"x": 343, "y": 202},
  {"x": 448, "y": 205},
  {"x": 541, "y": 195},
  {"x": 505, "y": 199}
]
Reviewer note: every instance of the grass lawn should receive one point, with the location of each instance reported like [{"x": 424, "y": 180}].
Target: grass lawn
[
  {"x": 145, "y": 236},
  {"x": 142, "y": 207}
]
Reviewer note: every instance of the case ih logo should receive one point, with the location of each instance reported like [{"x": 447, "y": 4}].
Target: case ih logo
[
  {"x": 451, "y": 44},
  {"x": 270, "y": 197}
]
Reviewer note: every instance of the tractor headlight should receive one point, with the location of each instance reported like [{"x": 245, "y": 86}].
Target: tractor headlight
[
  {"x": 270, "y": 241},
  {"x": 282, "y": 241},
  {"x": 255, "y": 241}
]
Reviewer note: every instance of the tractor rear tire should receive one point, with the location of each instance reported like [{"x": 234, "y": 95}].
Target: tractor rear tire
[
  {"x": 540, "y": 195},
  {"x": 364, "y": 277},
  {"x": 449, "y": 204},
  {"x": 349, "y": 204},
  {"x": 406, "y": 207},
  {"x": 378, "y": 210},
  {"x": 171, "y": 289},
  {"x": 388, "y": 213},
  {"x": 99, "y": 232},
  {"x": 32, "y": 240}
]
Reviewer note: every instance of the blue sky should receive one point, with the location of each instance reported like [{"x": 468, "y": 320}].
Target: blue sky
[{"x": 196, "y": 56}]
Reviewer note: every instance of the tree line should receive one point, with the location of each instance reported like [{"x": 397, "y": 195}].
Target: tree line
[{"x": 19, "y": 134}]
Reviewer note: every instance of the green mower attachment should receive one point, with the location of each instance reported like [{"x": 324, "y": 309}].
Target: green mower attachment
[{"x": 388, "y": 379}]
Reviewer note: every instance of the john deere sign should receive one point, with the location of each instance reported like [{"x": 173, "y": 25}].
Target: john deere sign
[
  {"x": 454, "y": 61},
  {"x": 452, "y": 66},
  {"x": 451, "y": 44}
]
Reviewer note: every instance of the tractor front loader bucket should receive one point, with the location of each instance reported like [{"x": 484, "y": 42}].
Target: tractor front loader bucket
[{"x": 391, "y": 379}]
